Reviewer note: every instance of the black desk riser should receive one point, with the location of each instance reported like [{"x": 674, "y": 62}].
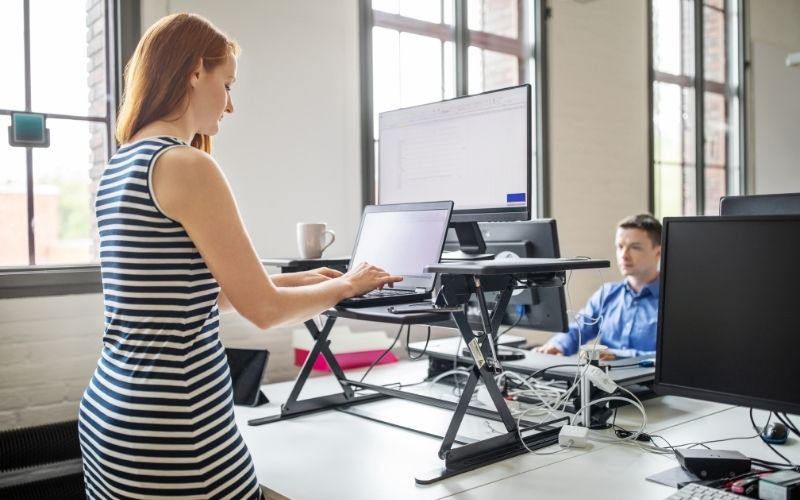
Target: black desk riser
[{"x": 458, "y": 283}]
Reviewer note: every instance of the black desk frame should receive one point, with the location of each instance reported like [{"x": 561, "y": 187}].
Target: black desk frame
[{"x": 456, "y": 290}]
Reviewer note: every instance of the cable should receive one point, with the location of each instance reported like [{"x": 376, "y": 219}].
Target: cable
[
  {"x": 514, "y": 325},
  {"x": 396, "y": 338},
  {"x": 408, "y": 340}
]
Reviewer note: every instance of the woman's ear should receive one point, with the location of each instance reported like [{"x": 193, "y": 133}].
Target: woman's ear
[{"x": 196, "y": 72}]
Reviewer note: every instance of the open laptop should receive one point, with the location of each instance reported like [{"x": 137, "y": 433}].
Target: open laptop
[{"x": 402, "y": 239}]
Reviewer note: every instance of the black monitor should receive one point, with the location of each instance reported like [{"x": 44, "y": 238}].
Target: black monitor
[
  {"x": 761, "y": 204},
  {"x": 540, "y": 308},
  {"x": 728, "y": 327},
  {"x": 474, "y": 150}
]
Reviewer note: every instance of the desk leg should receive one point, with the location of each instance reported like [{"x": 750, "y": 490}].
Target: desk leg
[{"x": 293, "y": 407}]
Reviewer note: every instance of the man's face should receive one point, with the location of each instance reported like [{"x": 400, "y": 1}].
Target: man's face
[{"x": 637, "y": 256}]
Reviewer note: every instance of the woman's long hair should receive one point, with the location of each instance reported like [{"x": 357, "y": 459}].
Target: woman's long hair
[{"x": 157, "y": 78}]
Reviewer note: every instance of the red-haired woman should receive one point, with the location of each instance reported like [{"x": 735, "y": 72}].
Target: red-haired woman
[{"x": 157, "y": 417}]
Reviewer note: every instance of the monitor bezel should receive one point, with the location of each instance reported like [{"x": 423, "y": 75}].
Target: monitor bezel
[
  {"x": 666, "y": 388},
  {"x": 496, "y": 214}
]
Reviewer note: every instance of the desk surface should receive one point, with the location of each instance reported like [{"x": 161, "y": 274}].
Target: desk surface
[{"x": 337, "y": 455}]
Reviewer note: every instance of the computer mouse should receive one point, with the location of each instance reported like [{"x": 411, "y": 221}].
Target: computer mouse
[{"x": 775, "y": 433}]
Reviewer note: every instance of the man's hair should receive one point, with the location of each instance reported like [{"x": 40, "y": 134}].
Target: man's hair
[{"x": 646, "y": 223}]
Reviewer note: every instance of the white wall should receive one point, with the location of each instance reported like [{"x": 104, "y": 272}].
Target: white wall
[
  {"x": 775, "y": 96},
  {"x": 598, "y": 137},
  {"x": 291, "y": 149}
]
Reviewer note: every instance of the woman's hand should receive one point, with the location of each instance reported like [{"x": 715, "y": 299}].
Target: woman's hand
[
  {"x": 314, "y": 276},
  {"x": 366, "y": 277}
]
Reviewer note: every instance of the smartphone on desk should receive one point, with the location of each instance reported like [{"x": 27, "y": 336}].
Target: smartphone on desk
[{"x": 420, "y": 307}]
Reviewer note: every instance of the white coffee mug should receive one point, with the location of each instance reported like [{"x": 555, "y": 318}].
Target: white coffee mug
[{"x": 311, "y": 239}]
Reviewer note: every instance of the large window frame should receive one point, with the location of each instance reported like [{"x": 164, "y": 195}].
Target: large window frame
[
  {"x": 532, "y": 48},
  {"x": 123, "y": 30},
  {"x": 735, "y": 43}
]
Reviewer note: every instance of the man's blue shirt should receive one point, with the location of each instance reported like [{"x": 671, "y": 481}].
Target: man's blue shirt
[{"x": 629, "y": 321}]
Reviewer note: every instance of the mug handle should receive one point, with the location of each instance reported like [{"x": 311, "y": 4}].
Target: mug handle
[{"x": 333, "y": 238}]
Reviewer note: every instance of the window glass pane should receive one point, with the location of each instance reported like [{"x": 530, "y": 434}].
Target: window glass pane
[
  {"x": 687, "y": 37},
  {"x": 734, "y": 165},
  {"x": 426, "y": 10},
  {"x": 13, "y": 202},
  {"x": 391, "y": 6},
  {"x": 449, "y": 12},
  {"x": 669, "y": 185},
  {"x": 76, "y": 62},
  {"x": 499, "y": 17},
  {"x": 489, "y": 70},
  {"x": 715, "y": 181},
  {"x": 385, "y": 72},
  {"x": 449, "y": 70},
  {"x": 720, "y": 4},
  {"x": 714, "y": 45},
  {"x": 64, "y": 191},
  {"x": 667, "y": 123},
  {"x": 667, "y": 36},
  {"x": 715, "y": 129},
  {"x": 12, "y": 47},
  {"x": 420, "y": 69}
]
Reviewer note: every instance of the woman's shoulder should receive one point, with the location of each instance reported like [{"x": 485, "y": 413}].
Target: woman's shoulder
[{"x": 185, "y": 160}]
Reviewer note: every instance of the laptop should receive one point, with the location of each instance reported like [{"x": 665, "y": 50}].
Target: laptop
[{"x": 402, "y": 239}]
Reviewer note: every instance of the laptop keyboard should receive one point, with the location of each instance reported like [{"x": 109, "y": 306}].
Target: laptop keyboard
[{"x": 387, "y": 292}]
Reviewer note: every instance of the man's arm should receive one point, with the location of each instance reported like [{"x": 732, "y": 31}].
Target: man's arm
[{"x": 586, "y": 328}]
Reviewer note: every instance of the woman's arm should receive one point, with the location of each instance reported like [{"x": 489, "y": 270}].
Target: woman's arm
[{"x": 191, "y": 189}]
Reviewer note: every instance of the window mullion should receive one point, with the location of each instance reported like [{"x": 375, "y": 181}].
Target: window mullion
[
  {"x": 699, "y": 104},
  {"x": 28, "y": 150},
  {"x": 462, "y": 46}
]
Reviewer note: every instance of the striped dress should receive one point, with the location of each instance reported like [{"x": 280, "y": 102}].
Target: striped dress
[{"x": 157, "y": 417}]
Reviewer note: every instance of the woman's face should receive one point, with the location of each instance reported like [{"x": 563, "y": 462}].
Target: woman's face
[{"x": 211, "y": 97}]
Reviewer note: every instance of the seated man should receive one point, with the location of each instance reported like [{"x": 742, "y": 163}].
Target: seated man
[{"x": 624, "y": 313}]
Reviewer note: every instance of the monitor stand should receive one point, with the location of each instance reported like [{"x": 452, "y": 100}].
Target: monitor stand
[{"x": 470, "y": 241}]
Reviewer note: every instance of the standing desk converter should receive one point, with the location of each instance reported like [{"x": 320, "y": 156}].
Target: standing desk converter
[{"x": 459, "y": 281}]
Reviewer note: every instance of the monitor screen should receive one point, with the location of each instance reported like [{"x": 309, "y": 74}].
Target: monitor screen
[
  {"x": 761, "y": 204},
  {"x": 541, "y": 308},
  {"x": 728, "y": 328},
  {"x": 474, "y": 150}
]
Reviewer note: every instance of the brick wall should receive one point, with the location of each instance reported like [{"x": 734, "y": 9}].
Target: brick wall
[{"x": 98, "y": 98}]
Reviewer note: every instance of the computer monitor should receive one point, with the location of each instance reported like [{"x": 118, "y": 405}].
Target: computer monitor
[
  {"x": 540, "y": 308},
  {"x": 474, "y": 150},
  {"x": 727, "y": 329},
  {"x": 761, "y": 204}
]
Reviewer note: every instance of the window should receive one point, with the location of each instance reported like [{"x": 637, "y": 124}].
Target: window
[
  {"x": 47, "y": 194},
  {"x": 428, "y": 50},
  {"x": 696, "y": 122}
]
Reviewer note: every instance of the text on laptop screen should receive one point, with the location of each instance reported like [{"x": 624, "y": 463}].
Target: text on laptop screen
[{"x": 402, "y": 243}]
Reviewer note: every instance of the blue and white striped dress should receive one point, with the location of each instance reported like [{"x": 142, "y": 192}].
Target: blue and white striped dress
[{"x": 157, "y": 417}]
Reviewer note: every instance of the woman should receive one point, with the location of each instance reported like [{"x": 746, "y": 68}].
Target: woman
[{"x": 157, "y": 417}]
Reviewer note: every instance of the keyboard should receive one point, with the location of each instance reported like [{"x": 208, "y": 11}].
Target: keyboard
[
  {"x": 387, "y": 296},
  {"x": 700, "y": 491}
]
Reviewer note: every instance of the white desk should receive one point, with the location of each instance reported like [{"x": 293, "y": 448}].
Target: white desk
[{"x": 336, "y": 455}]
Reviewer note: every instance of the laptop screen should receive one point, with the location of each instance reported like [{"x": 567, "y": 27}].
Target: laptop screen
[{"x": 403, "y": 239}]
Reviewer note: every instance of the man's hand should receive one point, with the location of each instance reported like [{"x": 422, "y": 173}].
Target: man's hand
[
  {"x": 607, "y": 355},
  {"x": 549, "y": 349}
]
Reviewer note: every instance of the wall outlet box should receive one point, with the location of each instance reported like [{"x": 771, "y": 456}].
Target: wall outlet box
[{"x": 573, "y": 436}]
